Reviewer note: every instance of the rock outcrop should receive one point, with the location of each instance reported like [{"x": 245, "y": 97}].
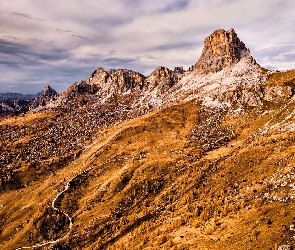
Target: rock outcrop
[
  {"x": 225, "y": 73},
  {"x": 46, "y": 95},
  {"x": 10, "y": 107},
  {"x": 120, "y": 81},
  {"x": 18, "y": 103},
  {"x": 161, "y": 78},
  {"x": 48, "y": 92},
  {"x": 116, "y": 81},
  {"x": 256, "y": 95},
  {"x": 222, "y": 49}
]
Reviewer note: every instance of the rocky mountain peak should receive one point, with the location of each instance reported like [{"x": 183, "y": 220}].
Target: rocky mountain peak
[
  {"x": 161, "y": 78},
  {"x": 117, "y": 81},
  {"x": 48, "y": 91},
  {"x": 222, "y": 49}
]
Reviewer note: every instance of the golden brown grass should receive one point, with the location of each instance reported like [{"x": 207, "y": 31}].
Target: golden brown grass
[
  {"x": 26, "y": 118},
  {"x": 280, "y": 78},
  {"x": 152, "y": 188}
]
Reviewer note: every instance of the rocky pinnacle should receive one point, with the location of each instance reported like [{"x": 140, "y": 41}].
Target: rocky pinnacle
[{"x": 222, "y": 49}]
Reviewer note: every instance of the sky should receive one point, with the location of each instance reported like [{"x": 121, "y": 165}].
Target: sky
[{"x": 59, "y": 42}]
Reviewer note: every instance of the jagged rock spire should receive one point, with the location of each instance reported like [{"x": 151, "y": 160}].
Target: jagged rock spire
[
  {"x": 48, "y": 91},
  {"x": 222, "y": 49},
  {"x": 116, "y": 81},
  {"x": 161, "y": 78}
]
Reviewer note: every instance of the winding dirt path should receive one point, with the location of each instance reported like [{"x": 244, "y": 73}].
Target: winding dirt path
[
  {"x": 96, "y": 146},
  {"x": 65, "y": 188}
]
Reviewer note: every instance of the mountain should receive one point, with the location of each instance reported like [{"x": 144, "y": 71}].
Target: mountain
[
  {"x": 15, "y": 103},
  {"x": 10, "y": 107},
  {"x": 46, "y": 95},
  {"x": 17, "y": 96},
  {"x": 222, "y": 49},
  {"x": 196, "y": 159}
]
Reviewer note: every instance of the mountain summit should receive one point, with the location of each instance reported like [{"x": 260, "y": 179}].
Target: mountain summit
[
  {"x": 48, "y": 91},
  {"x": 222, "y": 49}
]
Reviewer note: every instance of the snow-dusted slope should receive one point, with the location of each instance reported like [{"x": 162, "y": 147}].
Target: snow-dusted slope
[
  {"x": 209, "y": 87},
  {"x": 242, "y": 75}
]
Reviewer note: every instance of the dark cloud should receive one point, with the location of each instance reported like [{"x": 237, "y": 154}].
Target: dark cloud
[
  {"x": 117, "y": 61},
  {"x": 9, "y": 37},
  {"x": 33, "y": 53},
  {"x": 67, "y": 31},
  {"x": 82, "y": 37},
  {"x": 176, "y": 5},
  {"x": 11, "y": 48},
  {"x": 288, "y": 58},
  {"x": 174, "y": 46},
  {"x": 279, "y": 52},
  {"x": 115, "y": 21},
  {"x": 105, "y": 23},
  {"x": 27, "y": 65},
  {"x": 25, "y": 16},
  {"x": 155, "y": 6}
]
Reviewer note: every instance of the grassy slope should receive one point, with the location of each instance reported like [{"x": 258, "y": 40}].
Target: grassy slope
[{"x": 153, "y": 187}]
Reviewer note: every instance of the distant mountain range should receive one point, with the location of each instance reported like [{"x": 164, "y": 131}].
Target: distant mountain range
[
  {"x": 16, "y": 103},
  {"x": 17, "y": 96}
]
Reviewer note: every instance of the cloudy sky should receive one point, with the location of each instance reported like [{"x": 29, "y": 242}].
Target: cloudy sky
[{"x": 58, "y": 42}]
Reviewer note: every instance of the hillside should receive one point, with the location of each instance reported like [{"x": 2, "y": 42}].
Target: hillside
[{"x": 201, "y": 159}]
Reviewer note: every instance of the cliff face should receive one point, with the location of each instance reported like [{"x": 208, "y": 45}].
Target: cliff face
[
  {"x": 48, "y": 92},
  {"x": 222, "y": 49},
  {"x": 161, "y": 78},
  {"x": 116, "y": 81},
  {"x": 120, "y": 81},
  {"x": 224, "y": 66}
]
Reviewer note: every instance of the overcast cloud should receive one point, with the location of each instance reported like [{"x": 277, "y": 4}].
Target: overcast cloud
[{"x": 58, "y": 42}]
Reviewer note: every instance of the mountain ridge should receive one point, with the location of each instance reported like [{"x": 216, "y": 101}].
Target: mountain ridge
[
  {"x": 15, "y": 103},
  {"x": 224, "y": 65}
]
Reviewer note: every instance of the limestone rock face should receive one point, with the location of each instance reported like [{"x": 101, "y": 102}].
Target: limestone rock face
[
  {"x": 161, "y": 78},
  {"x": 221, "y": 49},
  {"x": 125, "y": 80},
  {"x": 48, "y": 91},
  {"x": 278, "y": 93},
  {"x": 121, "y": 87},
  {"x": 252, "y": 97},
  {"x": 45, "y": 97},
  {"x": 256, "y": 95},
  {"x": 116, "y": 81},
  {"x": 98, "y": 77}
]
